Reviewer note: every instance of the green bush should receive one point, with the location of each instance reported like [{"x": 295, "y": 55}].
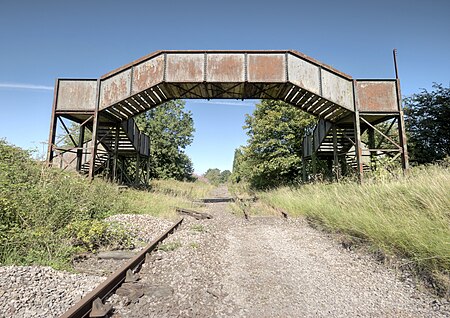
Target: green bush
[
  {"x": 93, "y": 234},
  {"x": 39, "y": 205}
]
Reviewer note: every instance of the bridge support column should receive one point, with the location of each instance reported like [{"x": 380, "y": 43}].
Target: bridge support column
[
  {"x": 403, "y": 144},
  {"x": 401, "y": 121},
  {"x": 80, "y": 147},
  {"x": 358, "y": 147},
  {"x": 358, "y": 144},
  {"x": 116, "y": 153},
  {"x": 138, "y": 169},
  {"x": 371, "y": 133},
  {"x": 52, "y": 135},
  {"x": 314, "y": 157},
  {"x": 94, "y": 134},
  {"x": 336, "y": 166}
]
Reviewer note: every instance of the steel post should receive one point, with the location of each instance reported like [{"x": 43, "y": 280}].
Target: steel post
[
  {"x": 371, "y": 133},
  {"x": 403, "y": 142},
  {"x": 401, "y": 121},
  {"x": 137, "y": 173},
  {"x": 53, "y": 121},
  {"x": 337, "y": 172},
  {"x": 313, "y": 156},
  {"x": 116, "y": 152},
  {"x": 94, "y": 134},
  {"x": 358, "y": 144},
  {"x": 80, "y": 147}
]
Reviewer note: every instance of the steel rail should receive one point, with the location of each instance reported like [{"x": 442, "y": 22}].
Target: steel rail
[{"x": 84, "y": 306}]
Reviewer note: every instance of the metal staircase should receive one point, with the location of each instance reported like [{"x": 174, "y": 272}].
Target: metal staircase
[
  {"x": 122, "y": 140},
  {"x": 320, "y": 142},
  {"x": 101, "y": 162}
]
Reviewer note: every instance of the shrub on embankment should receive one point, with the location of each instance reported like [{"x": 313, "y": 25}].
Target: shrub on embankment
[
  {"x": 47, "y": 215},
  {"x": 407, "y": 216}
]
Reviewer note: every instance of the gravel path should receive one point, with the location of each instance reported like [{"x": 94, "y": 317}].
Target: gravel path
[
  {"x": 290, "y": 269},
  {"x": 267, "y": 267}
]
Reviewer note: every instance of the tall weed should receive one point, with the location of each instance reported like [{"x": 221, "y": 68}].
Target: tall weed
[{"x": 407, "y": 216}]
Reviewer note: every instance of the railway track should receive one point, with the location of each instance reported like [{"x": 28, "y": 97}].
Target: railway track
[{"x": 92, "y": 304}]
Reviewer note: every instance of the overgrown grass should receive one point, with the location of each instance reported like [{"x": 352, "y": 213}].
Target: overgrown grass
[
  {"x": 189, "y": 190},
  {"x": 47, "y": 215},
  {"x": 164, "y": 196},
  {"x": 153, "y": 203},
  {"x": 409, "y": 216}
]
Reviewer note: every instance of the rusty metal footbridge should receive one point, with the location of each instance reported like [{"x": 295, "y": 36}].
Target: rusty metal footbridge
[{"x": 346, "y": 107}]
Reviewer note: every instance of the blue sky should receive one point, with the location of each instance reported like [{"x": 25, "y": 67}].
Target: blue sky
[{"x": 43, "y": 40}]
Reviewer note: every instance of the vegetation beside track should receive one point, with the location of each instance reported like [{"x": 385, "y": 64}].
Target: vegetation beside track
[
  {"x": 165, "y": 196},
  {"x": 188, "y": 190},
  {"x": 48, "y": 215},
  {"x": 408, "y": 217}
]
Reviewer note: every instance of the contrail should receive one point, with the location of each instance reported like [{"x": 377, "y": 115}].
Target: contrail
[{"x": 26, "y": 86}]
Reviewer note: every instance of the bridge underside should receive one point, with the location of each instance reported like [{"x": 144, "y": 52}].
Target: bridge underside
[{"x": 346, "y": 108}]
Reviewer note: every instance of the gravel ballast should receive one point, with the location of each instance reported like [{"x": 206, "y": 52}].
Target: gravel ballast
[{"x": 36, "y": 291}]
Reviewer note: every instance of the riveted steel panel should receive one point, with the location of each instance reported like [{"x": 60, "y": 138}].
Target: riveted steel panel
[
  {"x": 377, "y": 96},
  {"x": 185, "y": 67},
  {"x": 225, "y": 68},
  {"x": 266, "y": 68},
  {"x": 148, "y": 74},
  {"x": 115, "y": 88},
  {"x": 337, "y": 89},
  {"x": 304, "y": 74},
  {"x": 76, "y": 95}
]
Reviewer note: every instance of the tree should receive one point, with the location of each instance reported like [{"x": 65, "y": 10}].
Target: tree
[
  {"x": 171, "y": 130},
  {"x": 216, "y": 177},
  {"x": 273, "y": 154},
  {"x": 427, "y": 117},
  {"x": 224, "y": 176},
  {"x": 238, "y": 165},
  {"x": 213, "y": 176}
]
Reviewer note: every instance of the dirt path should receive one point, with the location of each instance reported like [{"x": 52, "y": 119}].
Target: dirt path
[{"x": 269, "y": 267}]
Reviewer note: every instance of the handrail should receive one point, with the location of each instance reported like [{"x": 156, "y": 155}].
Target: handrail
[
  {"x": 313, "y": 139},
  {"x": 139, "y": 140}
]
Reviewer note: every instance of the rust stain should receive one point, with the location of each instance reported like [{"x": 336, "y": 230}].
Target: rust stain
[
  {"x": 266, "y": 68},
  {"x": 115, "y": 89},
  {"x": 225, "y": 68},
  {"x": 376, "y": 96},
  {"x": 185, "y": 67},
  {"x": 148, "y": 74},
  {"x": 76, "y": 95}
]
